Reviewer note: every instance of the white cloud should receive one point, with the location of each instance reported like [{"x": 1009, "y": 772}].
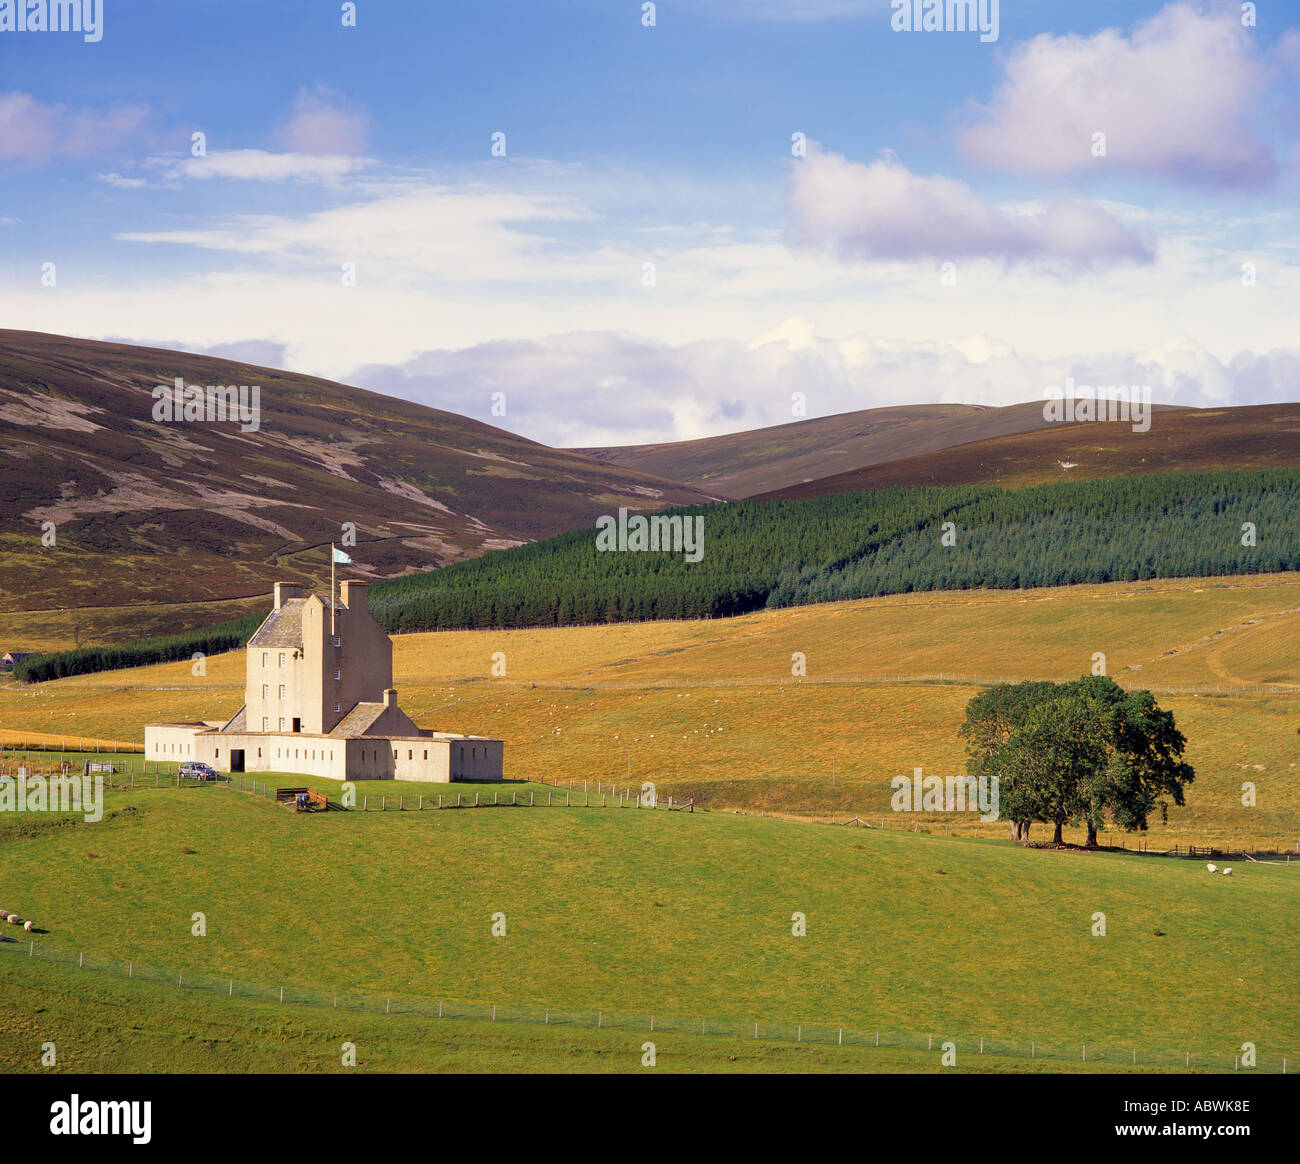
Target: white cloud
[
  {"x": 1175, "y": 98},
  {"x": 121, "y": 182},
  {"x": 323, "y": 143},
  {"x": 585, "y": 389},
  {"x": 406, "y": 232},
  {"x": 260, "y": 166},
  {"x": 321, "y": 124},
  {"x": 34, "y": 132},
  {"x": 883, "y": 211}
]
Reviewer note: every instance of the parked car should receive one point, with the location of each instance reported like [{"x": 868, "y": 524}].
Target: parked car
[{"x": 199, "y": 771}]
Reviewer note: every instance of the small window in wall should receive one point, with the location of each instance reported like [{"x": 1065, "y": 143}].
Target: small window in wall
[
  {"x": 394, "y": 753},
  {"x": 337, "y": 673},
  {"x": 338, "y": 642},
  {"x": 281, "y": 690},
  {"x": 259, "y": 753},
  {"x": 266, "y": 691},
  {"x": 264, "y": 723},
  {"x": 336, "y": 708},
  {"x": 282, "y": 723},
  {"x": 410, "y": 754},
  {"x": 281, "y": 658},
  {"x": 264, "y": 654},
  {"x": 426, "y": 753},
  {"x": 217, "y": 754}
]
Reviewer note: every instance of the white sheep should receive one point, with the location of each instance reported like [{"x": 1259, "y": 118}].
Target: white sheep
[
  {"x": 12, "y": 919},
  {"x": 27, "y": 925},
  {"x": 1227, "y": 872},
  {"x": 1212, "y": 868}
]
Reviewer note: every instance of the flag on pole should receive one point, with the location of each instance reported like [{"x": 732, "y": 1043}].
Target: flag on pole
[{"x": 341, "y": 557}]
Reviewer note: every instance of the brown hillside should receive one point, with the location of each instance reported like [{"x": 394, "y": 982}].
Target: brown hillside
[
  {"x": 743, "y": 464},
  {"x": 1256, "y": 437},
  {"x": 153, "y": 512}
]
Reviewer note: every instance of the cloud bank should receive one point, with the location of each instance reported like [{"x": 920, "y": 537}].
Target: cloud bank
[
  {"x": 1175, "y": 98},
  {"x": 882, "y": 211}
]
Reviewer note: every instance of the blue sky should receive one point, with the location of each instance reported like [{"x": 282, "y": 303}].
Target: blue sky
[{"x": 649, "y": 261}]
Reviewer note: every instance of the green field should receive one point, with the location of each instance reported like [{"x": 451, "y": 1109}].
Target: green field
[
  {"x": 626, "y": 913},
  {"x": 686, "y": 916},
  {"x": 709, "y": 709}
]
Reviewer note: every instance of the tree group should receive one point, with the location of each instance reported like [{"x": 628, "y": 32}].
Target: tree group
[{"x": 1079, "y": 753}]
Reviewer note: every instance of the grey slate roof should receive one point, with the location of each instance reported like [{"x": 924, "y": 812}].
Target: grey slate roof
[
  {"x": 282, "y": 628},
  {"x": 359, "y": 720}
]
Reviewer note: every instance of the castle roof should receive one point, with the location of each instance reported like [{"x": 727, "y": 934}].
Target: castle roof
[
  {"x": 282, "y": 628},
  {"x": 359, "y": 720}
]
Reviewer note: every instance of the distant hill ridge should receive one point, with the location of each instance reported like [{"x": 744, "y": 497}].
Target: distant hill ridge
[
  {"x": 144, "y": 511},
  {"x": 765, "y": 460},
  {"x": 1180, "y": 440}
]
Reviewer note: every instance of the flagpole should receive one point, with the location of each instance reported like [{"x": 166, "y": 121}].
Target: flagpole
[{"x": 331, "y": 589}]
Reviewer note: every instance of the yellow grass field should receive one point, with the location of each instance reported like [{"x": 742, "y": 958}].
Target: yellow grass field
[{"x": 711, "y": 709}]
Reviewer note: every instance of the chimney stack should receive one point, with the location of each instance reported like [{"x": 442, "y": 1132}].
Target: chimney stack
[
  {"x": 350, "y": 592},
  {"x": 285, "y": 591},
  {"x": 390, "y": 697}
]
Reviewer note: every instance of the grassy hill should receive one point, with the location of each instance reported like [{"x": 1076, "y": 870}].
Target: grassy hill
[
  {"x": 710, "y": 709},
  {"x": 945, "y": 931},
  {"x": 685, "y": 916},
  {"x": 1180, "y": 440},
  {"x": 742, "y": 464},
  {"x": 148, "y": 512}
]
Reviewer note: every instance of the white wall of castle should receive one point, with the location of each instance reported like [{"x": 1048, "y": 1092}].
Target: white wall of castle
[{"x": 432, "y": 759}]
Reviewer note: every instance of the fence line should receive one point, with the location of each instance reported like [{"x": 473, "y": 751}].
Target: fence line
[
  {"x": 610, "y": 795},
  {"x": 937, "y": 678},
  {"x": 965, "y": 1046},
  {"x": 11, "y": 740}
]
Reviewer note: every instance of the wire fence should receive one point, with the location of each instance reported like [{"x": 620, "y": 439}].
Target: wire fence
[
  {"x": 937, "y": 678},
  {"x": 11, "y": 740},
  {"x": 960, "y": 1047},
  {"x": 131, "y": 775}
]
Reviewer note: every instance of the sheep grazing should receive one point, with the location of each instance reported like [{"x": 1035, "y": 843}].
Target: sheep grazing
[
  {"x": 12, "y": 919},
  {"x": 1212, "y": 868},
  {"x": 1227, "y": 872},
  {"x": 27, "y": 925}
]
